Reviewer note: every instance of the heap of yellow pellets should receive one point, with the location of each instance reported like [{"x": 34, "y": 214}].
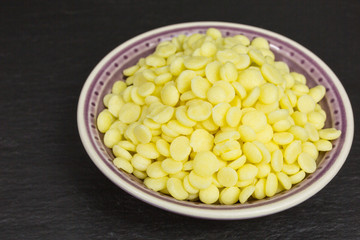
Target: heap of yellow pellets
[{"x": 215, "y": 119}]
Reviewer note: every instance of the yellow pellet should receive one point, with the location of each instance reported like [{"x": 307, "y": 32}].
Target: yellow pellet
[
  {"x": 267, "y": 108},
  {"x": 196, "y": 62},
  {"x": 299, "y": 118},
  {"x": 272, "y": 146},
  {"x": 317, "y": 93},
  {"x": 155, "y": 61},
  {"x": 256, "y": 56},
  {"x": 118, "y": 87},
  {"x": 317, "y": 119},
  {"x": 250, "y": 78},
  {"x": 176, "y": 189},
  {"x": 251, "y": 152},
  {"x": 130, "y": 70},
  {"x": 277, "y": 161},
  {"x": 199, "y": 110},
  {"x": 265, "y": 135},
  {"x": 298, "y": 177},
  {"x": 146, "y": 89},
  {"x": 129, "y": 112},
  {"x": 183, "y": 82},
  {"x": 252, "y": 97},
  {"x": 140, "y": 163},
  {"x": 208, "y": 49},
  {"x": 260, "y": 42},
  {"x": 227, "y": 177},
  {"x": 255, "y": 119},
  {"x": 284, "y": 180},
  {"x": 200, "y": 86},
  {"x": 271, "y": 74},
  {"x": 165, "y": 49},
  {"x": 223, "y": 136},
  {"x": 299, "y": 133},
  {"x": 121, "y": 152},
  {"x": 142, "y": 133},
  {"x": 268, "y": 93},
  {"x": 259, "y": 192},
  {"x": 177, "y": 66},
  {"x": 323, "y": 145},
  {"x": 229, "y": 195},
  {"x": 180, "y": 148},
  {"x": 271, "y": 185},
  {"x": 183, "y": 118},
  {"x": 306, "y": 162},
  {"x": 214, "y": 33},
  {"x": 312, "y": 132},
  {"x": 227, "y": 55},
  {"x": 212, "y": 71},
  {"x": 329, "y": 134},
  {"x": 201, "y": 140},
  {"x": 283, "y": 138},
  {"x": 292, "y": 151},
  {"x": 209, "y": 195},
  {"x": 205, "y": 163},
  {"x": 229, "y": 89},
  {"x": 112, "y": 137},
  {"x": 306, "y": 104},
  {"x": 237, "y": 163},
  {"x": 228, "y": 72},
  {"x": 199, "y": 182},
  {"x": 216, "y": 94},
  {"x": 148, "y": 150},
  {"x": 114, "y": 105},
  {"x": 282, "y": 125},
  {"x": 311, "y": 149},
  {"x": 278, "y": 115},
  {"x": 163, "y": 147},
  {"x": 156, "y": 184},
  {"x": 123, "y": 164},
  {"x": 233, "y": 116},
  {"x": 104, "y": 120},
  {"x": 188, "y": 95},
  {"x": 247, "y": 134},
  {"x": 129, "y": 133},
  {"x": 241, "y": 49},
  {"x": 266, "y": 157},
  {"x": 171, "y": 166},
  {"x": 162, "y": 114},
  {"x": 106, "y": 100},
  {"x": 244, "y": 183},
  {"x": 169, "y": 94},
  {"x": 247, "y": 172},
  {"x": 178, "y": 127},
  {"x": 127, "y": 145},
  {"x": 154, "y": 170},
  {"x": 246, "y": 193},
  {"x": 188, "y": 187},
  {"x": 219, "y": 113},
  {"x": 239, "y": 89},
  {"x": 290, "y": 169},
  {"x": 135, "y": 97}
]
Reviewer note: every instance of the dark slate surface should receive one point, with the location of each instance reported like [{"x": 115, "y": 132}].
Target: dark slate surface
[{"x": 50, "y": 189}]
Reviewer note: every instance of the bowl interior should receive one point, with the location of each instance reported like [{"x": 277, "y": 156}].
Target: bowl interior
[{"x": 284, "y": 50}]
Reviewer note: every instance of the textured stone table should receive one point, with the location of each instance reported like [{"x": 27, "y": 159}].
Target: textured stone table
[{"x": 49, "y": 187}]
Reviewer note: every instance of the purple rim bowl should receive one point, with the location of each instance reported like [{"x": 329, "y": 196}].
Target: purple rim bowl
[{"x": 336, "y": 104}]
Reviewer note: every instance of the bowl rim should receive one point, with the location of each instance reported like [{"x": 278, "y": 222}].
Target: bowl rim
[{"x": 220, "y": 214}]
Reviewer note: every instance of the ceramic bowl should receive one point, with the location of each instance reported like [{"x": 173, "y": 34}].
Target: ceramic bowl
[{"x": 336, "y": 104}]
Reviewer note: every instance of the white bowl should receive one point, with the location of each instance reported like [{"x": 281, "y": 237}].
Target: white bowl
[{"x": 336, "y": 104}]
